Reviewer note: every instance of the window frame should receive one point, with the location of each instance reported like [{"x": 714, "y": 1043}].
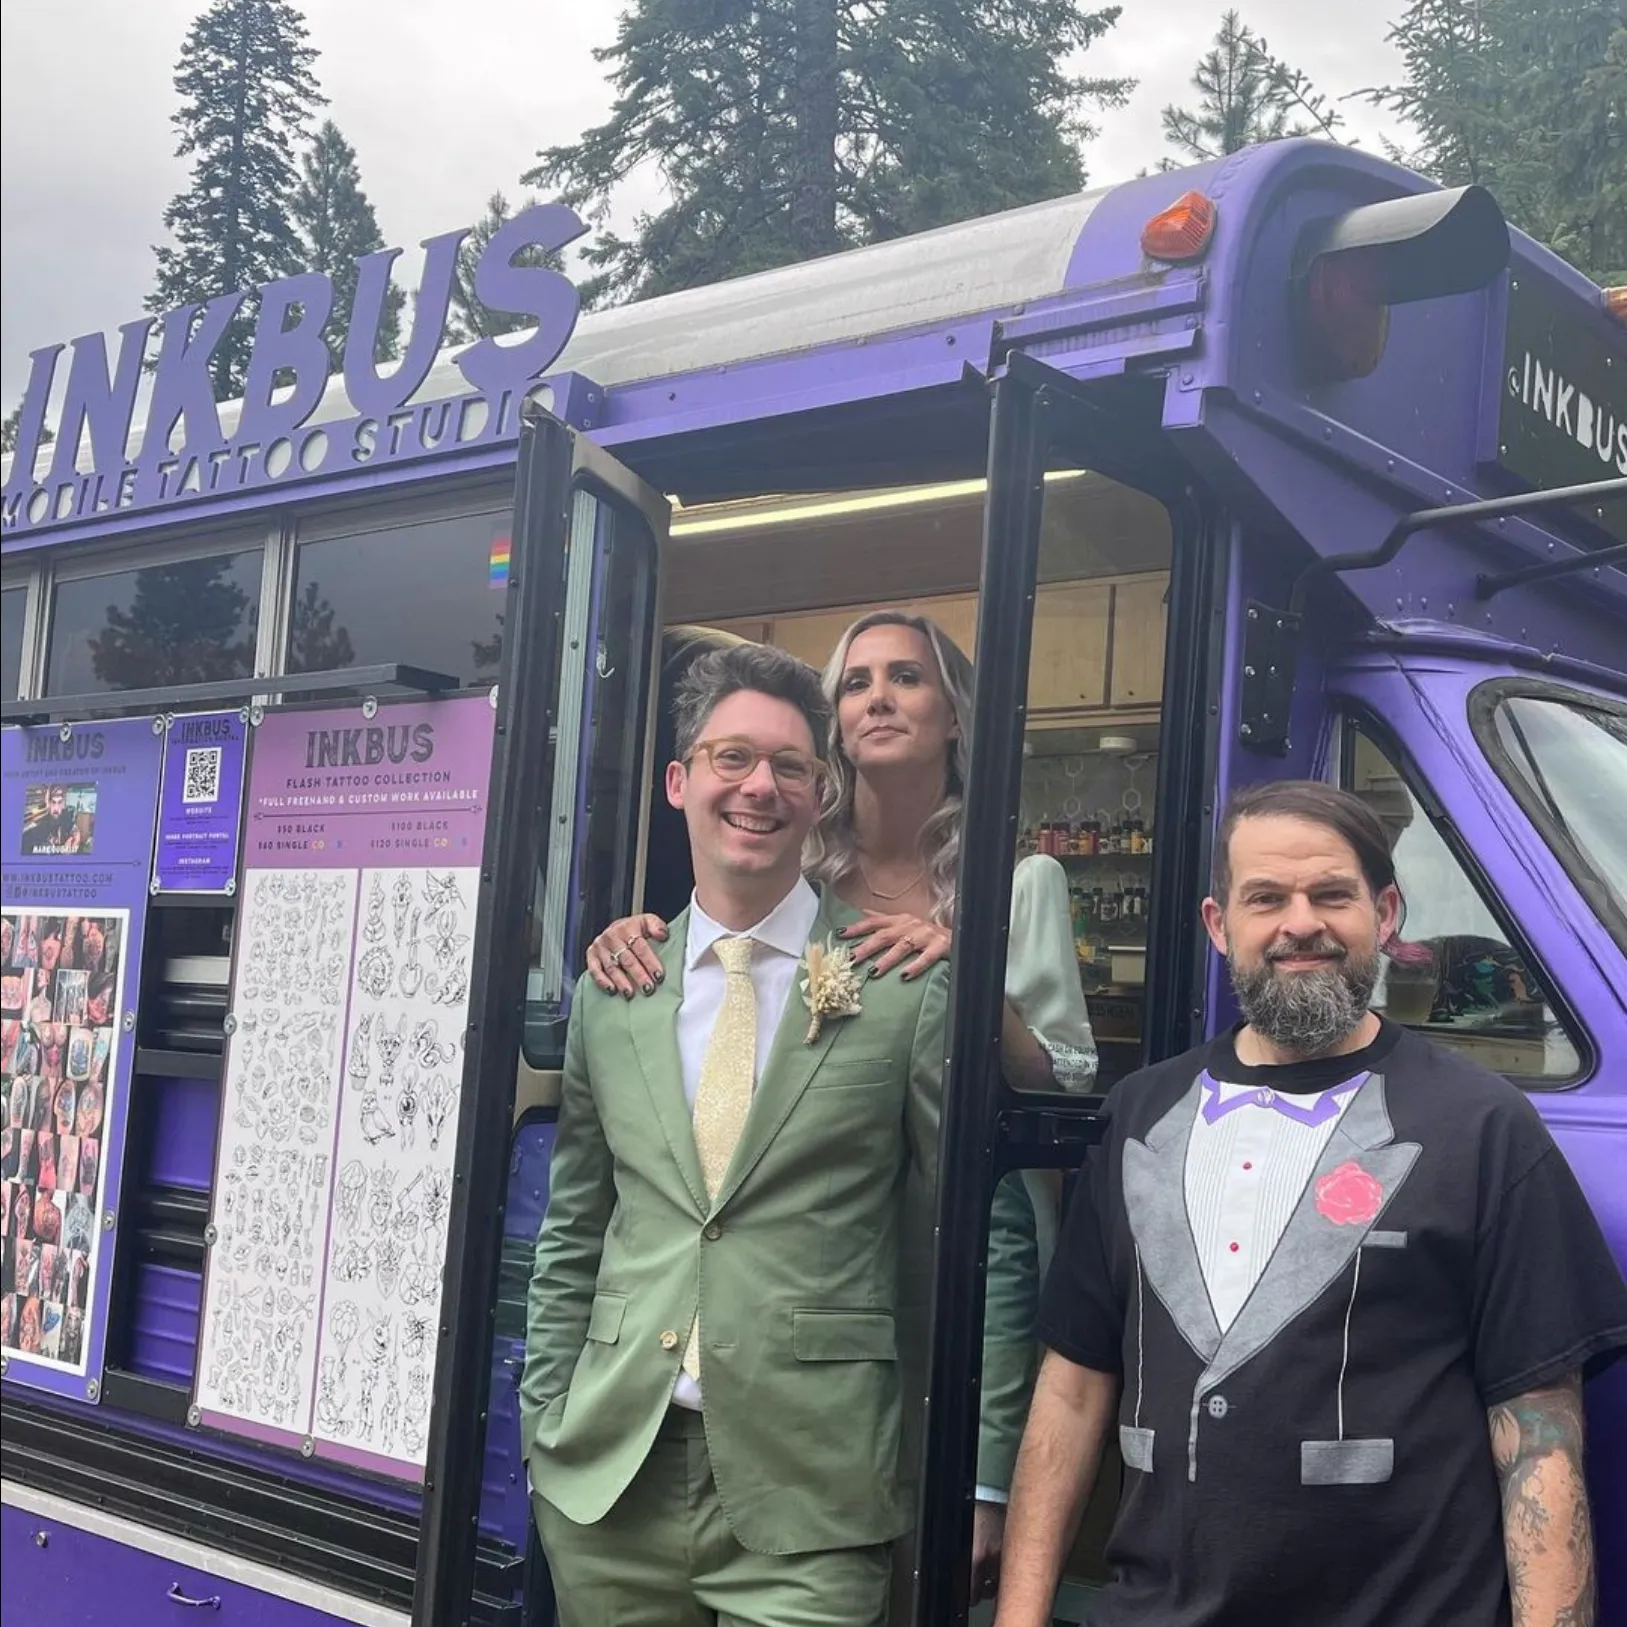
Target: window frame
[
  {"x": 29, "y": 580},
  {"x": 1484, "y": 701},
  {"x": 1353, "y": 718},
  {"x": 557, "y": 893}
]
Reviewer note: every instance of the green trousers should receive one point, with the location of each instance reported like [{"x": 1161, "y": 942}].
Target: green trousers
[{"x": 664, "y": 1556}]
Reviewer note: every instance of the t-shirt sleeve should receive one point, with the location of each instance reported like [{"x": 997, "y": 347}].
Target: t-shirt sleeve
[
  {"x": 1079, "y": 1313},
  {"x": 1549, "y": 1298}
]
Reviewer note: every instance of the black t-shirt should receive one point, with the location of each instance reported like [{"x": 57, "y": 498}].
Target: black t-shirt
[{"x": 1324, "y": 1460}]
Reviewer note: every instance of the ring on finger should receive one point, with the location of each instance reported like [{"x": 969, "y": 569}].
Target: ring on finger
[{"x": 617, "y": 958}]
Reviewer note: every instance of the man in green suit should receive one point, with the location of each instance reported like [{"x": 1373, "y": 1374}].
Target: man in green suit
[{"x": 737, "y": 1235}]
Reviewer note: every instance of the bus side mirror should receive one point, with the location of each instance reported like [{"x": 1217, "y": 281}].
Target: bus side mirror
[{"x": 1349, "y": 269}]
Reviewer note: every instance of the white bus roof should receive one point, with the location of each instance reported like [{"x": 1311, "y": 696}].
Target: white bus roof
[{"x": 992, "y": 263}]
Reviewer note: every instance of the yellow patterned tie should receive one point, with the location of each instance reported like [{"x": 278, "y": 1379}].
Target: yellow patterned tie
[{"x": 723, "y": 1096}]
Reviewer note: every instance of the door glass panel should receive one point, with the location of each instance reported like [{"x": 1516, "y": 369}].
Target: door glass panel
[
  {"x": 586, "y": 877},
  {"x": 1454, "y": 974},
  {"x": 192, "y": 621},
  {"x": 13, "y": 607}
]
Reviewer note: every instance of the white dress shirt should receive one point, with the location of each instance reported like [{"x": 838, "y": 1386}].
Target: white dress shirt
[
  {"x": 781, "y": 941},
  {"x": 1245, "y": 1172}
]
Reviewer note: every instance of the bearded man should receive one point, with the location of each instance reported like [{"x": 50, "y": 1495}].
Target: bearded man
[{"x": 1340, "y": 1287}]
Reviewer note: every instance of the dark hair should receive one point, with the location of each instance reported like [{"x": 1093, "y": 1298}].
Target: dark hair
[
  {"x": 1345, "y": 814},
  {"x": 760, "y": 668}
]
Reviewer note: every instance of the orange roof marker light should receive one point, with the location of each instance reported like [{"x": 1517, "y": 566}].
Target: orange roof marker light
[
  {"x": 1615, "y": 302},
  {"x": 1182, "y": 231}
]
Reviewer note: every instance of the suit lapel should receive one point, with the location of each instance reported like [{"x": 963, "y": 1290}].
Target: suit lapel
[
  {"x": 1154, "y": 1173},
  {"x": 652, "y": 1025},
  {"x": 792, "y": 1063},
  {"x": 1314, "y": 1249}
]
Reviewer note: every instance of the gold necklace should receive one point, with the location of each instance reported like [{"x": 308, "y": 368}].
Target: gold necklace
[{"x": 876, "y": 892}]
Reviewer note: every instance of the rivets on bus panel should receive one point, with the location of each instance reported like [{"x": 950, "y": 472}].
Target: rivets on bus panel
[
  {"x": 245, "y": 714},
  {"x": 65, "y": 732},
  {"x": 152, "y": 887},
  {"x": 307, "y": 1448},
  {"x": 229, "y": 1025},
  {"x": 129, "y": 1023},
  {"x": 231, "y": 887},
  {"x": 160, "y": 724},
  {"x": 110, "y": 1220},
  {"x": 194, "y": 1416},
  {"x": 93, "y": 1391},
  {"x": 257, "y": 716},
  {"x": 211, "y": 1234},
  {"x": 370, "y": 706},
  {"x": 492, "y": 697}
]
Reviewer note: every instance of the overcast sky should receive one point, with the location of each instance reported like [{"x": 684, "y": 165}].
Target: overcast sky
[{"x": 441, "y": 112}]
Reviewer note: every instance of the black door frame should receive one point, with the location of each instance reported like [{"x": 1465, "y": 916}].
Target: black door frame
[{"x": 1041, "y": 417}]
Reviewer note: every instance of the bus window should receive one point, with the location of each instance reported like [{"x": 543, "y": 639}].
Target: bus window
[
  {"x": 423, "y": 590},
  {"x": 1565, "y": 756},
  {"x": 784, "y": 571},
  {"x": 599, "y": 785},
  {"x": 1453, "y": 972},
  {"x": 190, "y": 620},
  {"x": 13, "y": 608}
]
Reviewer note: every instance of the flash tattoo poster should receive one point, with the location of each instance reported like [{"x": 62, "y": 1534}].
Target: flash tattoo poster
[
  {"x": 343, "y": 1071},
  {"x": 77, "y": 811}
]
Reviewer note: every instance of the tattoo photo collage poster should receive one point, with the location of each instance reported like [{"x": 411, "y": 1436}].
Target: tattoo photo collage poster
[
  {"x": 343, "y": 1072},
  {"x": 77, "y": 813}
]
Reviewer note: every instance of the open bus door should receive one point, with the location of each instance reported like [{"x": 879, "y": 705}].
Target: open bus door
[
  {"x": 1044, "y": 422},
  {"x": 580, "y": 624}
]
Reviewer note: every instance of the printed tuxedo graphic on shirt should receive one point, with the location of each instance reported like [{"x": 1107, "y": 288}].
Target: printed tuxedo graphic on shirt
[{"x": 1354, "y": 1180}]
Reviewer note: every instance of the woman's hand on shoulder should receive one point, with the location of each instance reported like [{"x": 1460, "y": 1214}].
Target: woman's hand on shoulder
[
  {"x": 886, "y": 941},
  {"x": 621, "y": 956}
]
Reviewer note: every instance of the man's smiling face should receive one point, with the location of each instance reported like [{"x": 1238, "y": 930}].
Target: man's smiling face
[{"x": 749, "y": 832}]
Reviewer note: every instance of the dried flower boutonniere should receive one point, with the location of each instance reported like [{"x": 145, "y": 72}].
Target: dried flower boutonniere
[{"x": 831, "y": 988}]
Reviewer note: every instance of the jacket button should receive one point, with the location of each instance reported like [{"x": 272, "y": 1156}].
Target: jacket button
[
  {"x": 1218, "y": 1406},
  {"x": 669, "y": 1339},
  {"x": 712, "y": 1232}
]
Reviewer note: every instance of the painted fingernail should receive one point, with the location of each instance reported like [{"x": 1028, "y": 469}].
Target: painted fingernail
[
  {"x": 660, "y": 977},
  {"x": 906, "y": 976},
  {"x": 649, "y": 988}
]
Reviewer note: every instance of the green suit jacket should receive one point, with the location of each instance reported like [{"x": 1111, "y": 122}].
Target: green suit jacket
[{"x": 811, "y": 1271}]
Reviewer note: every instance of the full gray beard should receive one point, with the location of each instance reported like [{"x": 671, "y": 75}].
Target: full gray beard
[{"x": 1307, "y": 1013}]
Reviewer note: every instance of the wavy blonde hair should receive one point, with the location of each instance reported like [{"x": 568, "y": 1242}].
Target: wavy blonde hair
[{"x": 832, "y": 851}]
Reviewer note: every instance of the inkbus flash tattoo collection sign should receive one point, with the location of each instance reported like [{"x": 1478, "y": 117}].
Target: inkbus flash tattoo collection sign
[
  {"x": 344, "y": 1065},
  {"x": 76, "y": 838}
]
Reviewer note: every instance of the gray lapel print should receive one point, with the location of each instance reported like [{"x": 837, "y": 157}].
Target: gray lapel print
[{"x": 1154, "y": 1174}]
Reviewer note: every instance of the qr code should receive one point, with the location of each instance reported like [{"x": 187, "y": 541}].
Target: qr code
[{"x": 202, "y": 775}]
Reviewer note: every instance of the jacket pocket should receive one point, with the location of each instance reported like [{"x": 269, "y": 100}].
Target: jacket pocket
[
  {"x": 854, "y": 1070},
  {"x": 843, "y": 1336},
  {"x": 605, "y": 1319}
]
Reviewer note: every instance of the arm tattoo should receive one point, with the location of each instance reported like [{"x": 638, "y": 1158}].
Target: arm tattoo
[{"x": 1536, "y": 1445}]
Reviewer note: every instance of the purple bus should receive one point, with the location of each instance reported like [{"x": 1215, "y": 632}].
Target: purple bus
[{"x": 1285, "y": 465}]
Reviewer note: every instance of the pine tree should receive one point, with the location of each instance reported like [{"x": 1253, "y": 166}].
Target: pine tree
[
  {"x": 179, "y": 629},
  {"x": 247, "y": 94},
  {"x": 1245, "y": 96},
  {"x": 1528, "y": 98},
  {"x": 314, "y": 643},
  {"x": 793, "y": 128},
  {"x": 468, "y": 318},
  {"x": 9, "y": 426},
  {"x": 336, "y": 227}
]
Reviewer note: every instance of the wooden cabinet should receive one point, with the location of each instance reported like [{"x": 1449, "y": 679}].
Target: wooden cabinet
[
  {"x": 1097, "y": 646},
  {"x": 1067, "y": 663},
  {"x": 1139, "y": 619}
]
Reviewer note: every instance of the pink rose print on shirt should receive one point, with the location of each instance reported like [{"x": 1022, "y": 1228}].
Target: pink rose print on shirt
[{"x": 1348, "y": 1195}]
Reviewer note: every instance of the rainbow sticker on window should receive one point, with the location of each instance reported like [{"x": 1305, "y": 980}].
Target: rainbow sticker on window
[{"x": 497, "y": 567}]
